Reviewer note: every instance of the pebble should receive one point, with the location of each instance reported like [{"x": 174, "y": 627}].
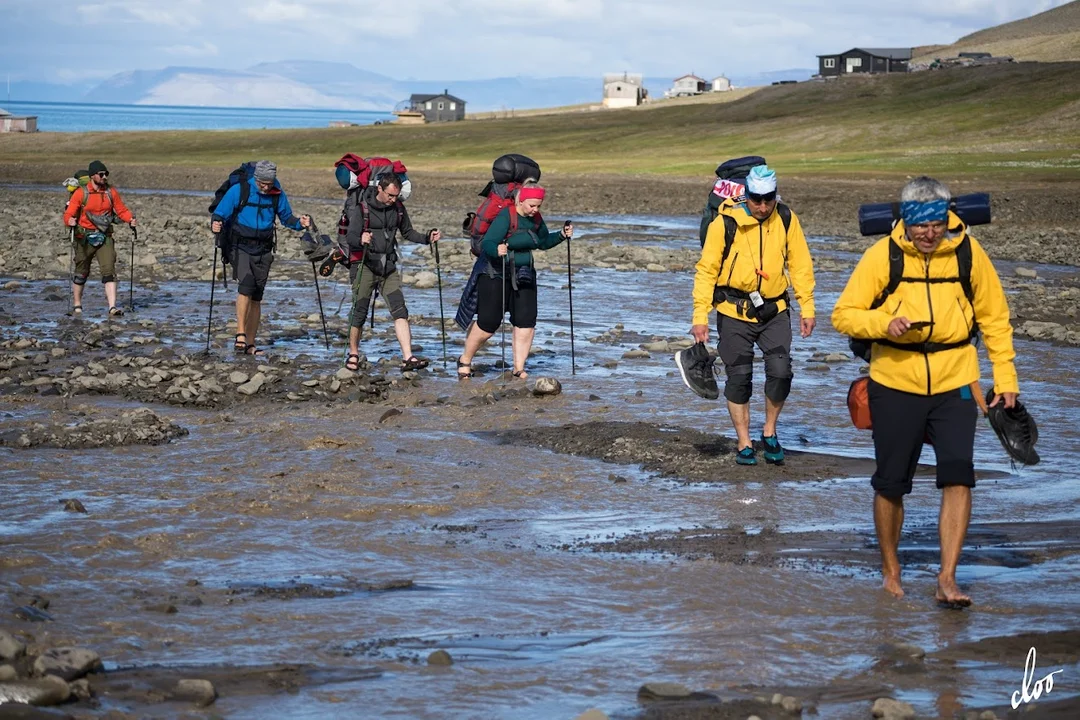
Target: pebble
[
  {"x": 659, "y": 346},
  {"x": 440, "y": 658},
  {"x": 335, "y": 385},
  {"x": 344, "y": 374},
  {"x": 635, "y": 354},
  {"x": 592, "y": 714},
  {"x": 253, "y": 385},
  {"x": 1026, "y": 272},
  {"x": 389, "y": 414},
  {"x": 200, "y": 692},
  {"x": 7, "y": 672},
  {"x": 547, "y": 386},
  {"x": 73, "y": 505},
  {"x": 310, "y": 383},
  {"x": 68, "y": 663},
  {"x": 890, "y": 709},
  {"x": 663, "y": 691},
  {"x": 10, "y": 648},
  {"x": 40, "y": 692}
]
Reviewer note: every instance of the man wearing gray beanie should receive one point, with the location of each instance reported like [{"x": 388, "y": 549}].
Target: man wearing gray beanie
[{"x": 244, "y": 219}]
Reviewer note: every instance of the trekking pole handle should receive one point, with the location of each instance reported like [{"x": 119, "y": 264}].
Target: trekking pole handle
[{"x": 434, "y": 245}]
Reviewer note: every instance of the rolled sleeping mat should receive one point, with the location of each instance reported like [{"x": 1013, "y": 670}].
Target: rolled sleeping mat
[
  {"x": 879, "y": 218},
  {"x": 514, "y": 168}
]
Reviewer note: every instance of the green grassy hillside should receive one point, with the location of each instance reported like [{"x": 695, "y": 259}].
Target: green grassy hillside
[{"x": 1018, "y": 119}]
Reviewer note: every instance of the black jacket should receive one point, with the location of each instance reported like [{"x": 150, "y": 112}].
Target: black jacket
[{"x": 384, "y": 223}]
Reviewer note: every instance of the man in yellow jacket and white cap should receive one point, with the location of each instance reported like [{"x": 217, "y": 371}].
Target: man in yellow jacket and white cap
[
  {"x": 741, "y": 275},
  {"x": 923, "y": 365}
]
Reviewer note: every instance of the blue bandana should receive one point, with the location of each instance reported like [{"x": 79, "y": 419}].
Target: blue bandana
[{"x": 913, "y": 212}]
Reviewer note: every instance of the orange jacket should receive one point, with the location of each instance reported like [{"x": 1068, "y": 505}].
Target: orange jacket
[{"x": 98, "y": 202}]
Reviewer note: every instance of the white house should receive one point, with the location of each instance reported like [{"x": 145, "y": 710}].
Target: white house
[
  {"x": 623, "y": 90},
  {"x": 686, "y": 86},
  {"x": 721, "y": 84}
]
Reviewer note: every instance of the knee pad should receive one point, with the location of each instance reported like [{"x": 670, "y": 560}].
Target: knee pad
[
  {"x": 396, "y": 302},
  {"x": 79, "y": 279},
  {"x": 739, "y": 385},
  {"x": 108, "y": 279},
  {"x": 358, "y": 314},
  {"x": 778, "y": 375}
]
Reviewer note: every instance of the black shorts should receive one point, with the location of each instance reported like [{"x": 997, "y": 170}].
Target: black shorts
[
  {"x": 901, "y": 422},
  {"x": 250, "y": 272},
  {"x": 490, "y": 308}
]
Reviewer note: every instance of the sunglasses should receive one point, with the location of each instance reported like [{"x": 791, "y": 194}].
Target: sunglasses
[
  {"x": 767, "y": 197},
  {"x": 101, "y": 174}
]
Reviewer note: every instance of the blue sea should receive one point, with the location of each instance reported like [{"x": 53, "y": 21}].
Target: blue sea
[{"x": 76, "y": 117}]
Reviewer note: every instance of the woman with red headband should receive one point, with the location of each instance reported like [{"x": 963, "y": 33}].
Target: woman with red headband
[{"x": 509, "y": 283}]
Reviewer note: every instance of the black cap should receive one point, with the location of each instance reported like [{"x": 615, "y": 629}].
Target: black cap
[{"x": 97, "y": 167}]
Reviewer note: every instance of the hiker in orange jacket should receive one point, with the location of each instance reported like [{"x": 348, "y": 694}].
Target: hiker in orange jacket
[{"x": 91, "y": 212}]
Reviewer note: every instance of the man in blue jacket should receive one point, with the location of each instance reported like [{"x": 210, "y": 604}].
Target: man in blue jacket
[{"x": 247, "y": 214}]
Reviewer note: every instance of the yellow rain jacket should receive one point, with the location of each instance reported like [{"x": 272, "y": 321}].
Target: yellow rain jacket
[
  {"x": 941, "y": 303},
  {"x": 758, "y": 246}
]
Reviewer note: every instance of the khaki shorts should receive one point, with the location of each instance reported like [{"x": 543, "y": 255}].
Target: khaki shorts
[{"x": 106, "y": 257}]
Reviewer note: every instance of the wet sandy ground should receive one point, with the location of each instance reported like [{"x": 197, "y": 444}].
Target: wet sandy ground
[{"x": 308, "y": 556}]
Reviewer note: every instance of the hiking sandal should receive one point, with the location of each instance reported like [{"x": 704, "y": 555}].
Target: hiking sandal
[
  {"x": 413, "y": 363},
  {"x": 520, "y": 374},
  {"x": 77, "y": 310},
  {"x": 468, "y": 369},
  {"x": 116, "y": 312},
  {"x": 352, "y": 362},
  {"x": 240, "y": 346},
  {"x": 254, "y": 351}
]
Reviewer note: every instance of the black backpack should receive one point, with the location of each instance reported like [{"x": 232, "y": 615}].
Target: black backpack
[
  {"x": 861, "y": 348},
  {"x": 730, "y": 183},
  {"x": 240, "y": 176}
]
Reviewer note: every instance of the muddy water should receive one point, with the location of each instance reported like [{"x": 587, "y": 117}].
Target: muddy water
[{"x": 324, "y": 536}]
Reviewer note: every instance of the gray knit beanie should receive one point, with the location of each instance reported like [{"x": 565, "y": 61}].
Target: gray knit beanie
[{"x": 265, "y": 171}]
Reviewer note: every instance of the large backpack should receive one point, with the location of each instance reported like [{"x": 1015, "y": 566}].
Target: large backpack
[
  {"x": 355, "y": 174},
  {"x": 508, "y": 173},
  {"x": 861, "y": 348},
  {"x": 240, "y": 176},
  {"x": 730, "y": 183}
]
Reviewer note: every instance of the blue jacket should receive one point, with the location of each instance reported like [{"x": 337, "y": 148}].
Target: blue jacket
[{"x": 256, "y": 219}]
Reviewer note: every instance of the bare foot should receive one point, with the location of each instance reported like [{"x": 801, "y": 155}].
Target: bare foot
[
  {"x": 948, "y": 594},
  {"x": 891, "y": 585}
]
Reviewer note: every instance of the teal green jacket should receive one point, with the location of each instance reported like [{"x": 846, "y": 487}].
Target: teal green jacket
[{"x": 532, "y": 234}]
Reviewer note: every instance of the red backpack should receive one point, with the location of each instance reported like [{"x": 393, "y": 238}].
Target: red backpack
[{"x": 509, "y": 172}]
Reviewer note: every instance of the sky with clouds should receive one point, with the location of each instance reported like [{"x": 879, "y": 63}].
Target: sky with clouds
[{"x": 68, "y": 41}]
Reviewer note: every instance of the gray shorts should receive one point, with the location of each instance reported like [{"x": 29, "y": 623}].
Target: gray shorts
[
  {"x": 250, "y": 272},
  {"x": 736, "y": 349}
]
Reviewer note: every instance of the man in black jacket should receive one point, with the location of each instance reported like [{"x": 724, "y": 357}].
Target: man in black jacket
[{"x": 376, "y": 216}]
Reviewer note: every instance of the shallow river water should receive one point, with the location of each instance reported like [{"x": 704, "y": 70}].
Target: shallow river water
[{"x": 286, "y": 533}]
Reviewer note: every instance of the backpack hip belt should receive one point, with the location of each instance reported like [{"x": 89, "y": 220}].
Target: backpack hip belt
[
  {"x": 723, "y": 292},
  {"x": 928, "y": 347}
]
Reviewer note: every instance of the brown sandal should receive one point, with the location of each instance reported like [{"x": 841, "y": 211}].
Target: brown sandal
[{"x": 468, "y": 369}]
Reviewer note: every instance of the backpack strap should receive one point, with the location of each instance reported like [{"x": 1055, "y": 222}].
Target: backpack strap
[
  {"x": 730, "y": 228},
  {"x": 785, "y": 215},
  {"x": 964, "y": 263},
  {"x": 896, "y": 274}
]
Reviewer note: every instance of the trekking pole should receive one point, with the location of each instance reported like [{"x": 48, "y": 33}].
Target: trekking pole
[
  {"x": 213, "y": 284},
  {"x": 442, "y": 317},
  {"x": 502, "y": 311},
  {"x": 570, "y": 289},
  {"x": 318, "y": 294},
  {"x": 71, "y": 271},
  {"x": 131, "y": 282}
]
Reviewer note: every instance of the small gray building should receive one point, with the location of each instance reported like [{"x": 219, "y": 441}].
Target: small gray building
[
  {"x": 17, "y": 123},
  {"x": 864, "y": 60},
  {"x": 438, "y": 108},
  {"x": 687, "y": 85},
  {"x": 623, "y": 90}
]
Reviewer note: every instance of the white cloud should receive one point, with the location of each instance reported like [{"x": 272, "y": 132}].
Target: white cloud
[{"x": 204, "y": 49}]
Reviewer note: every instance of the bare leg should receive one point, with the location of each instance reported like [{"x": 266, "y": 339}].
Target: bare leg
[
  {"x": 740, "y": 418},
  {"x": 404, "y": 337},
  {"x": 772, "y": 414},
  {"x": 473, "y": 340},
  {"x": 243, "y": 302},
  {"x": 522, "y": 342},
  {"x": 952, "y": 528},
  {"x": 888, "y": 520},
  {"x": 354, "y": 340},
  {"x": 254, "y": 315},
  {"x": 110, "y": 293},
  {"x": 76, "y": 293}
]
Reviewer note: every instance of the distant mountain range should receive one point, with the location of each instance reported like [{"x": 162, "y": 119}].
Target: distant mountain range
[{"x": 313, "y": 84}]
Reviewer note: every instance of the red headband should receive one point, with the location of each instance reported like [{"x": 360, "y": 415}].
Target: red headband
[{"x": 531, "y": 192}]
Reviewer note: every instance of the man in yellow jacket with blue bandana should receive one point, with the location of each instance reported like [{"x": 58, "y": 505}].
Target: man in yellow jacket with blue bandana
[
  {"x": 923, "y": 364},
  {"x": 741, "y": 274}
]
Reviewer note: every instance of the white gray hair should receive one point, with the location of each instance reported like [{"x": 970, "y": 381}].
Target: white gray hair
[{"x": 924, "y": 189}]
